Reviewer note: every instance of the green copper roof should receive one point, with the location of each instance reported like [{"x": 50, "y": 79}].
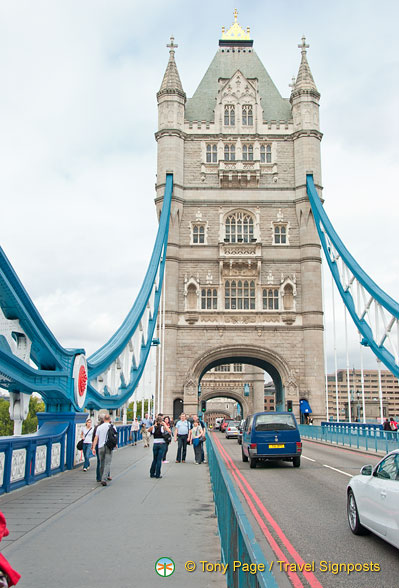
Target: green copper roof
[{"x": 224, "y": 65}]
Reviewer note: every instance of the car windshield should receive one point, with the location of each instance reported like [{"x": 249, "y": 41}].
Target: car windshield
[
  {"x": 274, "y": 422},
  {"x": 234, "y": 424}
]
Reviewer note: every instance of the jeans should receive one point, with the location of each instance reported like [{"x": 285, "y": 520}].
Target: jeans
[
  {"x": 86, "y": 454},
  {"x": 105, "y": 462},
  {"x": 197, "y": 452},
  {"x": 135, "y": 436},
  {"x": 98, "y": 468},
  {"x": 181, "y": 447},
  {"x": 158, "y": 450}
]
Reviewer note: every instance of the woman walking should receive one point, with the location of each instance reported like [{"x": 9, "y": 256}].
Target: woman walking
[
  {"x": 87, "y": 436},
  {"x": 158, "y": 447},
  {"x": 135, "y": 431}
]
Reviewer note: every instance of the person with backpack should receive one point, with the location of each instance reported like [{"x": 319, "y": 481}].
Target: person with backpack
[
  {"x": 105, "y": 441},
  {"x": 160, "y": 430},
  {"x": 393, "y": 424}
]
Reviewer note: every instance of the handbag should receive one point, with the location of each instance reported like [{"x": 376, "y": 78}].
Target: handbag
[
  {"x": 167, "y": 437},
  {"x": 196, "y": 441},
  {"x": 79, "y": 445}
]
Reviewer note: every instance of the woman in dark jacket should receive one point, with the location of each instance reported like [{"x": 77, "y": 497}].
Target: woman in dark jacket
[{"x": 158, "y": 447}]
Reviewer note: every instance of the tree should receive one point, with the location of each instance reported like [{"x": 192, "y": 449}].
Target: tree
[
  {"x": 6, "y": 424},
  {"x": 30, "y": 423}
]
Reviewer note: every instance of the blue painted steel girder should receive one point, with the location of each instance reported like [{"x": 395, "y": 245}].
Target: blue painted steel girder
[{"x": 336, "y": 251}]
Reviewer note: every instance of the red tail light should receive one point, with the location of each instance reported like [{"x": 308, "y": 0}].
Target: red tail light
[
  {"x": 252, "y": 446},
  {"x": 298, "y": 447},
  {"x": 228, "y": 428}
]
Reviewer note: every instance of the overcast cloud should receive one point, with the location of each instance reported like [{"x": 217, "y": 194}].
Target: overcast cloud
[{"x": 78, "y": 155}]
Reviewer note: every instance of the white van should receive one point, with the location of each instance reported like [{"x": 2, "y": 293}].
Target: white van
[{"x": 217, "y": 423}]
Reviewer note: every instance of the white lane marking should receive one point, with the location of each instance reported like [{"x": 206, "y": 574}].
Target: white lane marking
[
  {"x": 336, "y": 470},
  {"x": 309, "y": 458}
]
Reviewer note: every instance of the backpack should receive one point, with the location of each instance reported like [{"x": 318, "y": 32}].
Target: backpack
[{"x": 112, "y": 438}]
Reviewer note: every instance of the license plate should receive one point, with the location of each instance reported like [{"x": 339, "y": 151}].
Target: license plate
[{"x": 276, "y": 446}]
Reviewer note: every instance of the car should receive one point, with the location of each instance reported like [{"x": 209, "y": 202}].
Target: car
[
  {"x": 232, "y": 429},
  {"x": 218, "y": 420},
  {"x": 224, "y": 423},
  {"x": 373, "y": 499},
  {"x": 240, "y": 428},
  {"x": 271, "y": 436}
]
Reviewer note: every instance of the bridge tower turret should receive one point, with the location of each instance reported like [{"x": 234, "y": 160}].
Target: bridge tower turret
[{"x": 304, "y": 101}]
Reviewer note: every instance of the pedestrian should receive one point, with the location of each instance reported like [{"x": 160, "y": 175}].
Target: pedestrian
[
  {"x": 87, "y": 436},
  {"x": 181, "y": 436},
  {"x": 195, "y": 437},
  {"x": 145, "y": 435},
  {"x": 8, "y": 576},
  {"x": 169, "y": 423},
  {"x": 135, "y": 431},
  {"x": 104, "y": 444},
  {"x": 96, "y": 453},
  {"x": 147, "y": 420},
  {"x": 393, "y": 424},
  {"x": 386, "y": 426},
  {"x": 201, "y": 422},
  {"x": 159, "y": 429}
]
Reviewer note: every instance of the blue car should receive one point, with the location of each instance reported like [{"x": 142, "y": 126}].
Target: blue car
[{"x": 271, "y": 436}]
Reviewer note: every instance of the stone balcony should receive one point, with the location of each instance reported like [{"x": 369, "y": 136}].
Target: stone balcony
[{"x": 238, "y": 173}]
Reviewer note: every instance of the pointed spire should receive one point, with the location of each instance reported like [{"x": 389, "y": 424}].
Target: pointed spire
[
  {"x": 171, "y": 83},
  {"x": 304, "y": 80}
]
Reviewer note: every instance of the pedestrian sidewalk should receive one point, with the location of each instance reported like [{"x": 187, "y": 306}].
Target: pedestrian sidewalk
[{"x": 68, "y": 531}]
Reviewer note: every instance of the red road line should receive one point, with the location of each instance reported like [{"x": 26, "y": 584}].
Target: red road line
[
  {"x": 296, "y": 582},
  {"x": 310, "y": 577}
]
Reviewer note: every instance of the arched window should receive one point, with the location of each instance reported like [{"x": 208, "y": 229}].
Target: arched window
[
  {"x": 229, "y": 115},
  {"x": 209, "y": 299},
  {"x": 270, "y": 299},
  {"x": 211, "y": 154},
  {"x": 248, "y": 152},
  {"x": 280, "y": 234},
  {"x": 266, "y": 154},
  {"x": 239, "y": 228},
  {"x": 229, "y": 152},
  {"x": 239, "y": 295},
  {"x": 247, "y": 115},
  {"x": 198, "y": 234},
  {"x": 288, "y": 297}
]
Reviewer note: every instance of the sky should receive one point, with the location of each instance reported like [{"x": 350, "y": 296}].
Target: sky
[{"x": 78, "y": 114}]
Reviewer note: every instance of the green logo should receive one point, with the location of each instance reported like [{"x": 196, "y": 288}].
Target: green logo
[{"x": 164, "y": 566}]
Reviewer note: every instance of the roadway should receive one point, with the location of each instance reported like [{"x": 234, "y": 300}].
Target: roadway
[{"x": 299, "y": 516}]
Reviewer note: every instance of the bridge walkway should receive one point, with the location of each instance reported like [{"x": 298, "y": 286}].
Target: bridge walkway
[{"x": 70, "y": 531}]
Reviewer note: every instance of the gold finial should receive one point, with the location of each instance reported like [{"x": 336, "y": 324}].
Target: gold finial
[{"x": 235, "y": 32}]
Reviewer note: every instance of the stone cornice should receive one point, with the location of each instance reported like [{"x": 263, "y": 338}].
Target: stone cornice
[
  {"x": 170, "y": 133},
  {"x": 307, "y": 133}
]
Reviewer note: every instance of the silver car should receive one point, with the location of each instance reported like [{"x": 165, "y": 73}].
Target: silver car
[
  {"x": 373, "y": 499},
  {"x": 232, "y": 429}
]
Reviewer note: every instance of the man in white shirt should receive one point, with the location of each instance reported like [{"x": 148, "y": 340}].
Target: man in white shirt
[
  {"x": 182, "y": 428},
  {"x": 105, "y": 452}
]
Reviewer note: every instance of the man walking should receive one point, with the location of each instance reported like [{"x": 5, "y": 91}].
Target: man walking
[
  {"x": 181, "y": 435},
  {"x": 102, "y": 445}
]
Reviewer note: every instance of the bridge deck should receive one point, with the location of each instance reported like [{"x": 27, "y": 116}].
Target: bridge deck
[{"x": 70, "y": 531}]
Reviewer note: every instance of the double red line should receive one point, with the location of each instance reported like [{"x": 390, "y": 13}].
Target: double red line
[{"x": 263, "y": 518}]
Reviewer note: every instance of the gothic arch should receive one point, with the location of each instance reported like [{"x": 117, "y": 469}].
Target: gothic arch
[{"x": 283, "y": 376}]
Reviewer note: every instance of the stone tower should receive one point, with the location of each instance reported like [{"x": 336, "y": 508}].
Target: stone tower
[{"x": 243, "y": 272}]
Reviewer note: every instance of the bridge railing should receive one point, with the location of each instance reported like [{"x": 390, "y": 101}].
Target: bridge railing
[
  {"x": 29, "y": 458},
  {"x": 237, "y": 539},
  {"x": 369, "y": 438}
]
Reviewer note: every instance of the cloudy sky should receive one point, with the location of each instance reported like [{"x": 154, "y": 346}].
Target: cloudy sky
[{"x": 78, "y": 156}]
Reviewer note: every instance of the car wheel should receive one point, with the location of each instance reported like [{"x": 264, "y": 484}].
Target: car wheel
[
  {"x": 252, "y": 462},
  {"x": 353, "y": 516},
  {"x": 244, "y": 457},
  {"x": 296, "y": 462}
]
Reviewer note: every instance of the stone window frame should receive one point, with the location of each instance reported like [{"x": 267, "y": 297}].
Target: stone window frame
[
  {"x": 275, "y": 298},
  {"x": 211, "y": 153},
  {"x": 248, "y": 152},
  {"x": 266, "y": 153},
  {"x": 232, "y": 289},
  {"x": 280, "y": 225},
  {"x": 288, "y": 283},
  {"x": 229, "y": 151},
  {"x": 240, "y": 239},
  {"x": 229, "y": 115},
  {"x": 247, "y": 115},
  {"x": 201, "y": 225},
  {"x": 209, "y": 293}
]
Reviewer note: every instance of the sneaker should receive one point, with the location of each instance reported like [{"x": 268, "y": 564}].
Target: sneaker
[
  {"x": 197, "y": 463},
  {"x": 103, "y": 483},
  {"x": 165, "y": 461},
  {"x": 109, "y": 478},
  {"x": 85, "y": 469}
]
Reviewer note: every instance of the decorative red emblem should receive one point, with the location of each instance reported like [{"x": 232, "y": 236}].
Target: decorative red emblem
[{"x": 82, "y": 380}]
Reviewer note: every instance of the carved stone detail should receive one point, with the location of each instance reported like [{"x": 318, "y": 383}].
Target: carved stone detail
[
  {"x": 18, "y": 464},
  {"x": 55, "y": 455},
  {"x": 41, "y": 456}
]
